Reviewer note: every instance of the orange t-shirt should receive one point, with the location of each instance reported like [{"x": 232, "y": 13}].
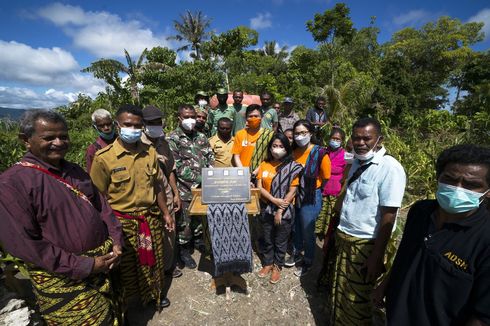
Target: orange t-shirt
[
  {"x": 267, "y": 172},
  {"x": 244, "y": 145},
  {"x": 325, "y": 167}
]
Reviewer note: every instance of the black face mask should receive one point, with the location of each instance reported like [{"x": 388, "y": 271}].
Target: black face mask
[{"x": 199, "y": 124}]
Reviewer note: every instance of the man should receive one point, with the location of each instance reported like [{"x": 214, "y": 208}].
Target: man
[
  {"x": 104, "y": 125},
  {"x": 277, "y": 107},
  {"x": 201, "y": 100},
  {"x": 317, "y": 115},
  {"x": 222, "y": 110},
  {"x": 221, "y": 144},
  {"x": 269, "y": 114},
  {"x": 441, "y": 273},
  {"x": 201, "y": 118},
  {"x": 287, "y": 117},
  {"x": 153, "y": 135},
  {"x": 128, "y": 173},
  {"x": 239, "y": 122},
  {"x": 55, "y": 220},
  {"x": 192, "y": 152},
  {"x": 374, "y": 193}
]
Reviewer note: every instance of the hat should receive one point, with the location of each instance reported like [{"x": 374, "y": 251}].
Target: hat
[
  {"x": 222, "y": 91},
  {"x": 288, "y": 100},
  {"x": 201, "y": 93},
  {"x": 151, "y": 113}
]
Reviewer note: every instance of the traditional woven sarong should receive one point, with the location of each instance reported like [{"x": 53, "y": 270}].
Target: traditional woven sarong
[
  {"x": 260, "y": 150},
  {"x": 138, "y": 278},
  {"x": 230, "y": 238},
  {"x": 323, "y": 222},
  {"x": 349, "y": 299},
  {"x": 63, "y": 301}
]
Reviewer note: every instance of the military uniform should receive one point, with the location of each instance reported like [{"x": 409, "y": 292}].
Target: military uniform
[
  {"x": 240, "y": 121},
  {"x": 191, "y": 153},
  {"x": 131, "y": 181},
  {"x": 221, "y": 111}
]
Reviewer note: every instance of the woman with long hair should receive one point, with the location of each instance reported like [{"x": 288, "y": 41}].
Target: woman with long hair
[
  {"x": 317, "y": 169},
  {"x": 278, "y": 178}
]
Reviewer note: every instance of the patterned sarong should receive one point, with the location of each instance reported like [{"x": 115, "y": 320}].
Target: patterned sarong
[
  {"x": 136, "y": 278},
  {"x": 230, "y": 238},
  {"x": 63, "y": 301},
  {"x": 260, "y": 150}
]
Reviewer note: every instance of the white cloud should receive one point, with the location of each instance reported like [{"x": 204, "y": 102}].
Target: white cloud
[
  {"x": 25, "y": 98},
  {"x": 484, "y": 17},
  {"x": 261, "y": 21},
  {"x": 413, "y": 17},
  {"x": 102, "y": 33},
  {"x": 23, "y": 63}
]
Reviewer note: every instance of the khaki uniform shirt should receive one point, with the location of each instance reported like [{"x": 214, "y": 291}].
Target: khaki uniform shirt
[
  {"x": 222, "y": 151},
  {"x": 130, "y": 179}
]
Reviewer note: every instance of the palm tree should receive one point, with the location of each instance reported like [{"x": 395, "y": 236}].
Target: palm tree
[
  {"x": 269, "y": 49},
  {"x": 109, "y": 70},
  {"x": 192, "y": 28}
]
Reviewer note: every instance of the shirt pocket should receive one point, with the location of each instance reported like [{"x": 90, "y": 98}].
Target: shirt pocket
[
  {"x": 151, "y": 174},
  {"x": 120, "y": 181},
  {"x": 365, "y": 188}
]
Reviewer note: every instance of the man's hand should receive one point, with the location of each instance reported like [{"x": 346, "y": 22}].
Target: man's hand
[
  {"x": 374, "y": 267},
  {"x": 102, "y": 264},
  {"x": 169, "y": 222},
  {"x": 177, "y": 203},
  {"x": 278, "y": 217},
  {"x": 117, "y": 251},
  {"x": 378, "y": 295}
]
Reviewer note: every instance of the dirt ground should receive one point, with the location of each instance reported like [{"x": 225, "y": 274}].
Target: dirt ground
[{"x": 292, "y": 301}]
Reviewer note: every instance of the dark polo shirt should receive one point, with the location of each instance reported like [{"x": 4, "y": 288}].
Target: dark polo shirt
[
  {"x": 46, "y": 224},
  {"x": 440, "y": 277}
]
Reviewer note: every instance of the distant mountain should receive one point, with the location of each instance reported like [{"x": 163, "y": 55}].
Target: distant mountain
[{"x": 13, "y": 114}]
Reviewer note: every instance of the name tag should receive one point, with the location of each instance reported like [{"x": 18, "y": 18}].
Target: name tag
[{"x": 120, "y": 168}]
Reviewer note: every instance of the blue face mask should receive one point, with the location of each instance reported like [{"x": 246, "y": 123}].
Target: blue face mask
[
  {"x": 456, "y": 200},
  {"x": 130, "y": 135},
  {"x": 334, "y": 143},
  {"x": 105, "y": 136}
]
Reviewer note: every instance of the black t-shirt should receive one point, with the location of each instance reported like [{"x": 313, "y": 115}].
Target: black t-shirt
[{"x": 440, "y": 277}]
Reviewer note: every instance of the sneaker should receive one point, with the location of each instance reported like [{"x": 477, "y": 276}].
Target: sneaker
[
  {"x": 265, "y": 271},
  {"x": 276, "y": 274},
  {"x": 187, "y": 259},
  {"x": 302, "y": 270},
  {"x": 289, "y": 261},
  {"x": 164, "y": 303}
]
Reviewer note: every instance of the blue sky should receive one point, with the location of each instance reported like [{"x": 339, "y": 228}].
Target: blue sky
[{"x": 44, "y": 44}]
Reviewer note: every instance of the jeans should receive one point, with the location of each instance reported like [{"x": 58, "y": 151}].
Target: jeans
[
  {"x": 304, "y": 224},
  {"x": 275, "y": 240}
]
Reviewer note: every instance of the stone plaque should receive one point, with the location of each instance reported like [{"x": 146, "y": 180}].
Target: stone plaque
[{"x": 225, "y": 185}]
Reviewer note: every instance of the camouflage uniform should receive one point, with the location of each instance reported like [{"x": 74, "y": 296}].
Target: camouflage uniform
[
  {"x": 217, "y": 113},
  {"x": 191, "y": 153}
]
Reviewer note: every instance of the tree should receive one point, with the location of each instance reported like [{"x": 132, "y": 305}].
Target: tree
[
  {"x": 110, "y": 69},
  {"x": 269, "y": 49},
  {"x": 192, "y": 28}
]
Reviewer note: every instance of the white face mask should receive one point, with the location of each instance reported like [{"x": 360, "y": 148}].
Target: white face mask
[
  {"x": 348, "y": 157},
  {"x": 188, "y": 124},
  {"x": 302, "y": 140},
  {"x": 154, "y": 131},
  {"x": 278, "y": 153},
  {"x": 202, "y": 103},
  {"x": 369, "y": 155}
]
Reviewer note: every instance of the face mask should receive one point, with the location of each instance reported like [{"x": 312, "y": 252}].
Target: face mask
[
  {"x": 334, "y": 143},
  {"x": 130, "y": 135},
  {"x": 105, "y": 136},
  {"x": 369, "y": 155},
  {"x": 188, "y": 124},
  {"x": 254, "y": 122},
  {"x": 302, "y": 140},
  {"x": 349, "y": 157},
  {"x": 456, "y": 200},
  {"x": 154, "y": 131},
  {"x": 199, "y": 124},
  {"x": 202, "y": 103},
  {"x": 278, "y": 153}
]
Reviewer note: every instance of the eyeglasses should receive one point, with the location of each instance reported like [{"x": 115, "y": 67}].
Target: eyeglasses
[{"x": 301, "y": 133}]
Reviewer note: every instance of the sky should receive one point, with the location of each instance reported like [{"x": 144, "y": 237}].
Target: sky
[{"x": 45, "y": 44}]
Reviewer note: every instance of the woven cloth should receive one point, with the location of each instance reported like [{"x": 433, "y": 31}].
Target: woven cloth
[{"x": 230, "y": 238}]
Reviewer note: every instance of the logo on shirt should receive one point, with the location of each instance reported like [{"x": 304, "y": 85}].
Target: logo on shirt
[{"x": 455, "y": 260}]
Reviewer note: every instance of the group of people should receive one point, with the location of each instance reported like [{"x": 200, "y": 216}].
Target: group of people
[{"x": 93, "y": 240}]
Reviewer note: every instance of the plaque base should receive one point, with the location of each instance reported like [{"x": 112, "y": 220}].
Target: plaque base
[{"x": 198, "y": 208}]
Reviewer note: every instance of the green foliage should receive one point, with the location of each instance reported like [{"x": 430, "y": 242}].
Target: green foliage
[{"x": 332, "y": 24}]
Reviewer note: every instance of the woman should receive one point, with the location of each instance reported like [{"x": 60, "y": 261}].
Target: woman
[
  {"x": 332, "y": 188},
  {"x": 278, "y": 178},
  {"x": 316, "y": 165},
  {"x": 250, "y": 144}
]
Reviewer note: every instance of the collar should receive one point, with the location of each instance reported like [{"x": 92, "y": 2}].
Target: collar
[
  {"x": 378, "y": 156},
  {"x": 145, "y": 140},
  {"x": 468, "y": 222},
  {"x": 221, "y": 140},
  {"x": 222, "y": 107},
  {"x": 119, "y": 149},
  {"x": 65, "y": 165},
  {"x": 180, "y": 132}
]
